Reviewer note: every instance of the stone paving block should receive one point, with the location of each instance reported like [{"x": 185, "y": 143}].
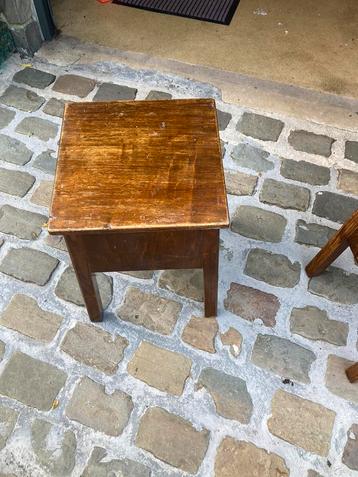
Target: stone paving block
[
  {"x": 43, "y": 193},
  {"x": 95, "y": 347},
  {"x": 143, "y": 275},
  {"x": 287, "y": 196},
  {"x": 252, "y": 304},
  {"x": 114, "y": 92},
  {"x": 313, "y": 473},
  {"x": 302, "y": 423},
  {"x": 223, "y": 146},
  {"x": 348, "y": 181},
  {"x": 56, "y": 241},
  {"x": 259, "y": 224},
  {"x": 155, "y": 95},
  {"x": 92, "y": 407},
  {"x": 28, "y": 265},
  {"x": 21, "y": 223},
  {"x": 223, "y": 119},
  {"x": 151, "y": 311},
  {"x": 351, "y": 151},
  {"x": 21, "y": 98},
  {"x": 6, "y": 116},
  {"x": 54, "y": 107},
  {"x": 314, "y": 324},
  {"x": 350, "y": 453},
  {"x": 99, "y": 465},
  {"x": 239, "y": 183},
  {"x": 200, "y": 333},
  {"x": 14, "y": 151},
  {"x": 38, "y": 127},
  {"x": 160, "y": 368},
  {"x": 336, "y": 285},
  {"x": 34, "y": 77},
  {"x": 251, "y": 460},
  {"x": 251, "y": 157},
  {"x": 74, "y": 85},
  {"x": 233, "y": 339},
  {"x": 260, "y": 127},
  {"x": 24, "y": 315},
  {"x": 303, "y": 171},
  {"x": 46, "y": 162},
  {"x": 172, "y": 439},
  {"x": 311, "y": 143},
  {"x": 334, "y": 207},
  {"x": 315, "y": 235},
  {"x": 283, "y": 357},
  {"x": 2, "y": 349},
  {"x": 229, "y": 393},
  {"x": 55, "y": 451},
  {"x": 30, "y": 381},
  {"x": 337, "y": 381},
  {"x": 187, "y": 283},
  {"x": 15, "y": 182},
  {"x": 272, "y": 268},
  {"x": 8, "y": 418},
  {"x": 68, "y": 289}
]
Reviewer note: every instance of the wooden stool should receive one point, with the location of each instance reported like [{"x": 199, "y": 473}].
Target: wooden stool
[
  {"x": 347, "y": 236},
  {"x": 140, "y": 186}
]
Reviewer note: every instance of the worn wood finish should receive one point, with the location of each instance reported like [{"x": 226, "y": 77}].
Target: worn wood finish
[
  {"x": 139, "y": 186},
  {"x": 352, "y": 373}
]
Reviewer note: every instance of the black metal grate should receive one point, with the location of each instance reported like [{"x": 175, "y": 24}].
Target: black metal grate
[{"x": 217, "y": 11}]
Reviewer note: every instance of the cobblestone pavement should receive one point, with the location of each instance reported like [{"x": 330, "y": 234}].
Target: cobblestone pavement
[{"x": 156, "y": 390}]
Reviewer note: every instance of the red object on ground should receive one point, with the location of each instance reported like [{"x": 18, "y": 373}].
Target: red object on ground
[{"x": 104, "y": 1}]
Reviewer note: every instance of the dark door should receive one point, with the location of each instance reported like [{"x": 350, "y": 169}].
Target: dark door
[{"x": 44, "y": 13}]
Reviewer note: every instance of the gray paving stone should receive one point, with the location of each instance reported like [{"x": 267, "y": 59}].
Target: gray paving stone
[
  {"x": 29, "y": 265},
  {"x": 95, "y": 347},
  {"x": 311, "y": 143},
  {"x": 24, "y": 315},
  {"x": 348, "y": 181},
  {"x": 41, "y": 128},
  {"x": 21, "y": 223},
  {"x": 74, "y": 85},
  {"x": 337, "y": 381},
  {"x": 314, "y": 324},
  {"x": 239, "y": 183},
  {"x": 15, "y": 182},
  {"x": 251, "y": 304},
  {"x": 287, "y": 196},
  {"x": 92, "y": 407},
  {"x": 173, "y": 440},
  {"x": 283, "y": 357},
  {"x": 303, "y": 171},
  {"x": 260, "y": 127},
  {"x": 30, "y": 381},
  {"x": 336, "y": 285},
  {"x": 334, "y": 207},
  {"x": 223, "y": 119},
  {"x": 99, "y": 465},
  {"x": 46, "y": 162},
  {"x": 113, "y": 92},
  {"x": 14, "y": 151},
  {"x": 350, "y": 453},
  {"x": 21, "y": 98},
  {"x": 155, "y": 95},
  {"x": 313, "y": 473},
  {"x": 275, "y": 269},
  {"x": 187, "y": 283},
  {"x": 44, "y": 439},
  {"x": 54, "y": 107},
  {"x": 229, "y": 393},
  {"x": 2, "y": 349},
  {"x": 56, "y": 241},
  {"x": 351, "y": 151},
  {"x": 259, "y": 224},
  {"x": 43, "y": 193},
  {"x": 6, "y": 116},
  {"x": 68, "y": 289},
  {"x": 223, "y": 146},
  {"x": 33, "y": 77},
  {"x": 315, "y": 235},
  {"x": 143, "y": 275},
  {"x": 251, "y": 157},
  {"x": 151, "y": 311},
  {"x": 8, "y": 418}
]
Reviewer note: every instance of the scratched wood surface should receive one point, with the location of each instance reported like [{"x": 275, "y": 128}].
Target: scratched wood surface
[{"x": 141, "y": 165}]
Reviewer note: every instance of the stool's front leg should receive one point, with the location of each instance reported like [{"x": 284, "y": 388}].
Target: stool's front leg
[
  {"x": 86, "y": 281},
  {"x": 211, "y": 271}
]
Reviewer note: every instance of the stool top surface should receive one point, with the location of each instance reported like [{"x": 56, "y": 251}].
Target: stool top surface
[{"x": 139, "y": 165}]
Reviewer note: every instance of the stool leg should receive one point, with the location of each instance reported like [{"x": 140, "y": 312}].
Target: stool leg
[
  {"x": 211, "y": 270},
  {"x": 86, "y": 281},
  {"x": 352, "y": 373}
]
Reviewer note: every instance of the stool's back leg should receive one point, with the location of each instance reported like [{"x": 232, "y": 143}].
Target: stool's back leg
[
  {"x": 352, "y": 373},
  {"x": 211, "y": 271},
  {"x": 86, "y": 281}
]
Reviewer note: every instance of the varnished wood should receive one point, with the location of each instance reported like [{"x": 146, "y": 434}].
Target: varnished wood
[{"x": 352, "y": 373}]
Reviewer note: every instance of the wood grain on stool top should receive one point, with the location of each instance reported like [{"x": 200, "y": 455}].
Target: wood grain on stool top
[{"x": 139, "y": 165}]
